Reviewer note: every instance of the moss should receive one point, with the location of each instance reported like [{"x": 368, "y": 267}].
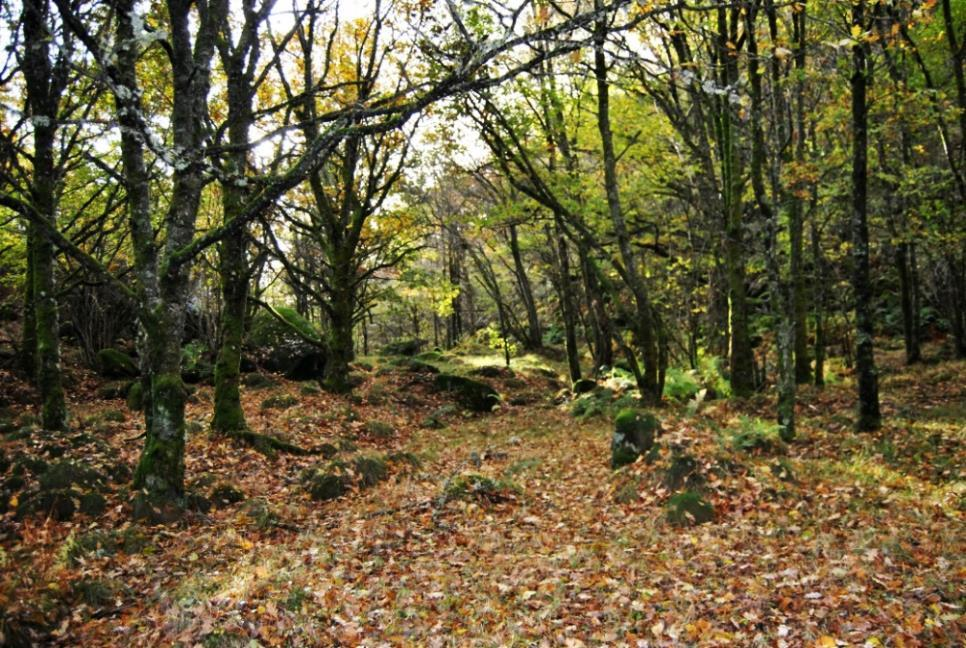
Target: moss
[
  {"x": 114, "y": 390},
  {"x": 258, "y": 381},
  {"x": 472, "y": 394},
  {"x": 634, "y": 433},
  {"x": 688, "y": 509},
  {"x": 96, "y": 592},
  {"x": 682, "y": 471},
  {"x": 135, "y": 396},
  {"x": 323, "y": 485},
  {"x": 309, "y": 389},
  {"x": 65, "y": 474},
  {"x": 116, "y": 364},
  {"x": 279, "y": 401},
  {"x": 467, "y": 486},
  {"x": 379, "y": 429},
  {"x": 370, "y": 470},
  {"x": 113, "y": 415},
  {"x": 160, "y": 470},
  {"x": 92, "y": 504}
]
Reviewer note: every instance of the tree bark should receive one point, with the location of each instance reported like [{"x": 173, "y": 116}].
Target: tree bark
[
  {"x": 869, "y": 416},
  {"x": 644, "y": 329},
  {"x": 534, "y": 339},
  {"x": 43, "y": 99}
]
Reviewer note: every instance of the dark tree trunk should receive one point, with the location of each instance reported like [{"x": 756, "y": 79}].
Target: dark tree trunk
[
  {"x": 803, "y": 369},
  {"x": 558, "y": 243},
  {"x": 868, "y": 385}
]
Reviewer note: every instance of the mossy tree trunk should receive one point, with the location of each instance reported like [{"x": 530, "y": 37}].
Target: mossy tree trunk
[
  {"x": 238, "y": 58},
  {"x": 44, "y": 87}
]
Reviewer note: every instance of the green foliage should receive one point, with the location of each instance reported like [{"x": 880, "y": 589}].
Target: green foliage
[
  {"x": 473, "y": 486},
  {"x": 280, "y": 401},
  {"x": 491, "y": 338},
  {"x": 710, "y": 368},
  {"x": 680, "y": 385},
  {"x": 755, "y": 435}
]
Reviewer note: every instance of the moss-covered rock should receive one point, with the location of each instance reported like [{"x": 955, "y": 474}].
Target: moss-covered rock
[
  {"x": 472, "y": 394},
  {"x": 688, "y": 509},
  {"x": 257, "y": 381},
  {"x": 225, "y": 494},
  {"x": 584, "y": 385},
  {"x": 135, "y": 396},
  {"x": 467, "y": 486},
  {"x": 309, "y": 389},
  {"x": 280, "y": 401},
  {"x": 112, "y": 363},
  {"x": 92, "y": 504},
  {"x": 95, "y": 592},
  {"x": 324, "y": 484},
  {"x": 60, "y": 504},
  {"x": 114, "y": 390},
  {"x": 370, "y": 470},
  {"x": 634, "y": 434},
  {"x": 492, "y": 371},
  {"x": 408, "y": 347},
  {"x": 66, "y": 474},
  {"x": 683, "y": 471}
]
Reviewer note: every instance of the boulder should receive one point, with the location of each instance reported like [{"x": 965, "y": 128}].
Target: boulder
[
  {"x": 584, "y": 385},
  {"x": 404, "y": 347},
  {"x": 688, "y": 509},
  {"x": 472, "y": 394},
  {"x": 634, "y": 434},
  {"x": 112, "y": 363}
]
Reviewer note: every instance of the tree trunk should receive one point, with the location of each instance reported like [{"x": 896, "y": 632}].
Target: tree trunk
[
  {"x": 797, "y": 208},
  {"x": 28, "y": 343},
  {"x": 644, "y": 329},
  {"x": 534, "y": 338},
  {"x": 567, "y": 306},
  {"x": 43, "y": 99},
  {"x": 867, "y": 378},
  {"x": 228, "y": 415}
]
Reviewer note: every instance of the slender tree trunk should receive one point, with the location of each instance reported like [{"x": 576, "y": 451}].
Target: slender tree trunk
[
  {"x": 28, "y": 339},
  {"x": 567, "y": 306},
  {"x": 867, "y": 378},
  {"x": 339, "y": 351},
  {"x": 43, "y": 100},
  {"x": 797, "y": 207},
  {"x": 819, "y": 306},
  {"x": 228, "y": 415},
  {"x": 534, "y": 335},
  {"x": 781, "y": 303},
  {"x": 644, "y": 328}
]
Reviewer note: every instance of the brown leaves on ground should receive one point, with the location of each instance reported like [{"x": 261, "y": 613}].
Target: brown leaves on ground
[{"x": 852, "y": 540}]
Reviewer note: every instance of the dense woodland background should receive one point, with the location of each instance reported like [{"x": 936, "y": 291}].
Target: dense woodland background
[{"x": 733, "y": 202}]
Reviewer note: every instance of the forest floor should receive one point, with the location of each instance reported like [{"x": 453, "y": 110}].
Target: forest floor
[{"x": 837, "y": 539}]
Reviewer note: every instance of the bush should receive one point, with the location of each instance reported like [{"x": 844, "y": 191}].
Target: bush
[
  {"x": 680, "y": 385},
  {"x": 711, "y": 370},
  {"x": 755, "y": 435}
]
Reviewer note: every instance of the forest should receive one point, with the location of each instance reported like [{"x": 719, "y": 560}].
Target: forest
[{"x": 482, "y": 322}]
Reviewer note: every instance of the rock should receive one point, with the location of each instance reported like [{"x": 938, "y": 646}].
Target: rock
[
  {"x": 468, "y": 486},
  {"x": 112, "y": 363},
  {"x": 584, "y": 385},
  {"x": 493, "y": 371},
  {"x": 58, "y": 504},
  {"x": 370, "y": 470},
  {"x": 257, "y": 381},
  {"x": 114, "y": 390},
  {"x": 145, "y": 509},
  {"x": 66, "y": 474},
  {"x": 279, "y": 401},
  {"x": 472, "y": 394},
  {"x": 92, "y": 504},
  {"x": 323, "y": 485},
  {"x": 224, "y": 494},
  {"x": 418, "y": 366},
  {"x": 634, "y": 433},
  {"x": 135, "y": 396},
  {"x": 404, "y": 347},
  {"x": 682, "y": 471},
  {"x": 689, "y": 509}
]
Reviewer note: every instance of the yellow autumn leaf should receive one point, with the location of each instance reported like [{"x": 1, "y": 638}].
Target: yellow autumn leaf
[
  {"x": 826, "y": 641},
  {"x": 856, "y": 31}
]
